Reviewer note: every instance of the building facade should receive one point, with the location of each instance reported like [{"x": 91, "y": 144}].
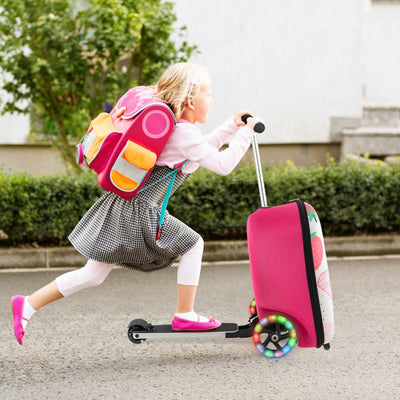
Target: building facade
[{"x": 311, "y": 69}]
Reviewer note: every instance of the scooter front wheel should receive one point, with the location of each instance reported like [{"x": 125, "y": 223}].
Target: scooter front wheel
[
  {"x": 137, "y": 325},
  {"x": 274, "y": 336}
]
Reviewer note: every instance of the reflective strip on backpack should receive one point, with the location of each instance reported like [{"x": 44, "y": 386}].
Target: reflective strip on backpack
[
  {"x": 129, "y": 170},
  {"x": 88, "y": 141}
]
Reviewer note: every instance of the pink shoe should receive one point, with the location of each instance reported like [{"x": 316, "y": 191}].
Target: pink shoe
[
  {"x": 17, "y": 305},
  {"x": 180, "y": 324}
]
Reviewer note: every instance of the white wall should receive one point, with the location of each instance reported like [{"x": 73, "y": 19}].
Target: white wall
[
  {"x": 14, "y": 128},
  {"x": 382, "y": 54},
  {"x": 295, "y": 63}
]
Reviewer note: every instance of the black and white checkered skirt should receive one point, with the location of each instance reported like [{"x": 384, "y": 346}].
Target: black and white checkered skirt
[{"x": 124, "y": 232}]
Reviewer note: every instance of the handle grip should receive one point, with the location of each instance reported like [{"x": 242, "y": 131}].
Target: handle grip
[
  {"x": 254, "y": 123},
  {"x": 258, "y": 126}
]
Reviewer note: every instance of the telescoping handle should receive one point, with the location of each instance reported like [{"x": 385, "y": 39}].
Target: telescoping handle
[{"x": 258, "y": 126}]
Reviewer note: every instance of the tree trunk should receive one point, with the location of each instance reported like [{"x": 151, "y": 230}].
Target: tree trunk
[{"x": 66, "y": 150}]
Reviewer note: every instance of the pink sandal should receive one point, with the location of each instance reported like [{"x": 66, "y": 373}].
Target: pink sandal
[
  {"x": 17, "y": 306},
  {"x": 180, "y": 324}
]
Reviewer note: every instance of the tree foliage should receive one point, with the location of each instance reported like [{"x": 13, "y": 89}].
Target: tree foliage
[{"x": 63, "y": 60}]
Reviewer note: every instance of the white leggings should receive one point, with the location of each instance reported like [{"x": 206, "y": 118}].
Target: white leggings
[{"x": 94, "y": 272}]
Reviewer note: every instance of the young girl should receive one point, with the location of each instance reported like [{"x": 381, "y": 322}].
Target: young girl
[{"x": 117, "y": 231}]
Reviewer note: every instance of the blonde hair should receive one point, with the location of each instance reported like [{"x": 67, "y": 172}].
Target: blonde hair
[{"x": 178, "y": 82}]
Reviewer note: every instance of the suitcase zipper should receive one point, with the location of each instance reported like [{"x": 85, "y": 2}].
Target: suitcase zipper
[{"x": 312, "y": 282}]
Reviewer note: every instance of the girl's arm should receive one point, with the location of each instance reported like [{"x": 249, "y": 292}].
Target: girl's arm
[
  {"x": 200, "y": 151},
  {"x": 220, "y": 135}
]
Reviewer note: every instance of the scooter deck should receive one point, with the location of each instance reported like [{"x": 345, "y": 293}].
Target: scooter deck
[
  {"x": 225, "y": 327},
  {"x": 166, "y": 331}
]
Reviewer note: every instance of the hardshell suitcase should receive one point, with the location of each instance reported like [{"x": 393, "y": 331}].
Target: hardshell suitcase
[{"x": 289, "y": 268}]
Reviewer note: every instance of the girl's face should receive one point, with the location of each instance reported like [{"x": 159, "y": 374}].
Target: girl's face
[{"x": 202, "y": 103}]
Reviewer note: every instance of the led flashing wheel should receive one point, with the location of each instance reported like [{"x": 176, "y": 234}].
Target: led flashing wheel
[
  {"x": 274, "y": 336},
  {"x": 134, "y": 326},
  {"x": 252, "y": 307}
]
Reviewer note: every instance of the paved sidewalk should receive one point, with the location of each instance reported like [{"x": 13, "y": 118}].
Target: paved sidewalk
[
  {"x": 50, "y": 257},
  {"x": 78, "y": 349}
]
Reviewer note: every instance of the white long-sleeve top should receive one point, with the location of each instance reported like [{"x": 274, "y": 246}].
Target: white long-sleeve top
[{"x": 188, "y": 143}]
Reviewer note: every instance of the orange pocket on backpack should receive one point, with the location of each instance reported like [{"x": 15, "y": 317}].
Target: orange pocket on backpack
[
  {"x": 99, "y": 129},
  {"x": 139, "y": 156}
]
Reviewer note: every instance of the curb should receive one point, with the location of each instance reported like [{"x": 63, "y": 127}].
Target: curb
[{"x": 51, "y": 257}]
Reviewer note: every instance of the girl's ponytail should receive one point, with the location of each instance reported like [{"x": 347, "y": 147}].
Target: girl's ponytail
[{"x": 179, "y": 82}]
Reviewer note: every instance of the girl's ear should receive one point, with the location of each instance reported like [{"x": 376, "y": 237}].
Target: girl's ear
[{"x": 190, "y": 103}]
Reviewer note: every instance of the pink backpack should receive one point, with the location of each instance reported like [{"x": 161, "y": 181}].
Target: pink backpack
[{"x": 122, "y": 146}]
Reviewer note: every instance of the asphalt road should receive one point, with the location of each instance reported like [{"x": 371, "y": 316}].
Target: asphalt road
[{"x": 78, "y": 348}]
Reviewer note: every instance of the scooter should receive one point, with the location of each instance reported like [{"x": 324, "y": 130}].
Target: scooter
[
  {"x": 289, "y": 271},
  {"x": 274, "y": 336}
]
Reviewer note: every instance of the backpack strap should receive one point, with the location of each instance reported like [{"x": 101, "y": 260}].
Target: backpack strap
[{"x": 177, "y": 171}]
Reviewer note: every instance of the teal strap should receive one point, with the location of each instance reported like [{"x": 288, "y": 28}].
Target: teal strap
[
  {"x": 165, "y": 202},
  {"x": 161, "y": 179},
  {"x": 174, "y": 173}
]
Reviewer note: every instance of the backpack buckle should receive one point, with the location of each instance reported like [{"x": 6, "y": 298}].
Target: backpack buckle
[{"x": 180, "y": 166}]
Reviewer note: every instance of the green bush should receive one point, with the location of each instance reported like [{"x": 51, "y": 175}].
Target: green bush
[
  {"x": 350, "y": 198},
  {"x": 43, "y": 209}
]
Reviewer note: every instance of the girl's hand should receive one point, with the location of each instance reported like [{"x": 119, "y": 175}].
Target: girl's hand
[{"x": 238, "y": 117}]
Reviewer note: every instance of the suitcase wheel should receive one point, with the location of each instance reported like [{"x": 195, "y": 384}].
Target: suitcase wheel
[
  {"x": 252, "y": 307},
  {"x": 274, "y": 336}
]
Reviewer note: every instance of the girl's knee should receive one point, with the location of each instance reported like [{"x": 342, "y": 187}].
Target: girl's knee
[
  {"x": 200, "y": 243},
  {"x": 92, "y": 274},
  {"x": 96, "y": 272},
  {"x": 197, "y": 248}
]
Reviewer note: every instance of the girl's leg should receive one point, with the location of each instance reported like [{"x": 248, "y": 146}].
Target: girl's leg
[
  {"x": 188, "y": 278},
  {"x": 45, "y": 295},
  {"x": 92, "y": 274},
  {"x": 186, "y": 296}
]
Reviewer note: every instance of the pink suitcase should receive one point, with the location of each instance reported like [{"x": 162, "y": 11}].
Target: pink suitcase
[{"x": 289, "y": 273}]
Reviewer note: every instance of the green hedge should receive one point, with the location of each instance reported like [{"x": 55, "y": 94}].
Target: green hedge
[
  {"x": 43, "y": 209},
  {"x": 350, "y": 198}
]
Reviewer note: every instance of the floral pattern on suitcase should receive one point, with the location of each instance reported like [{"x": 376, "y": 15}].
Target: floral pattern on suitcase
[{"x": 321, "y": 273}]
